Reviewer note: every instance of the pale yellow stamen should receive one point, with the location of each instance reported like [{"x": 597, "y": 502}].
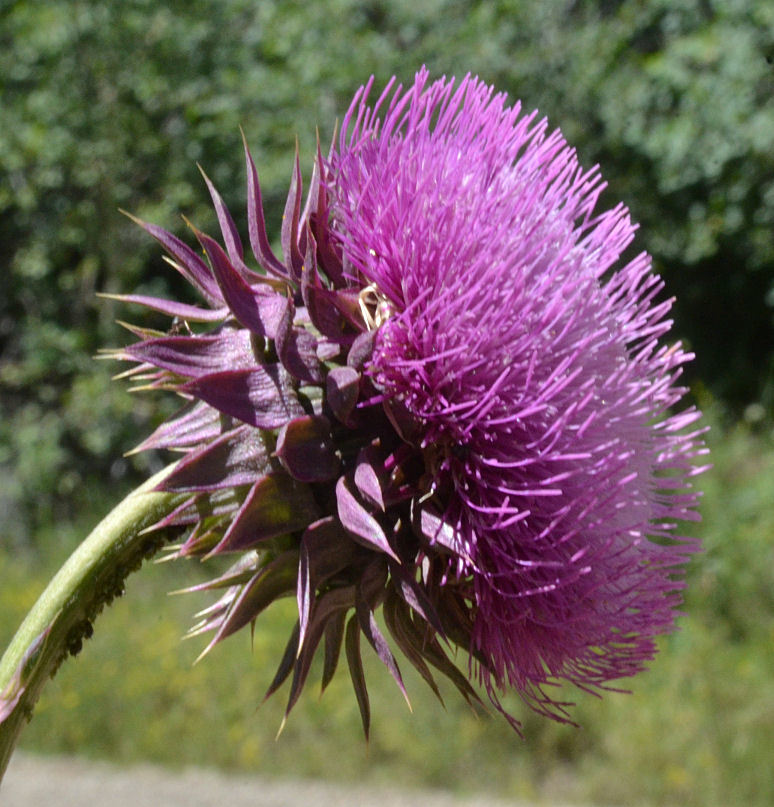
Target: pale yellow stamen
[{"x": 374, "y": 307}]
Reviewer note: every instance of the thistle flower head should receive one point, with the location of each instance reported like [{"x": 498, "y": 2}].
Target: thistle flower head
[{"x": 447, "y": 401}]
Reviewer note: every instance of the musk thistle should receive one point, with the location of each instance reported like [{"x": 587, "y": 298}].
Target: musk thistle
[{"x": 447, "y": 401}]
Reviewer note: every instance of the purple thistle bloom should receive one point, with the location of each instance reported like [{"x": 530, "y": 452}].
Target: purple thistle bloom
[{"x": 445, "y": 402}]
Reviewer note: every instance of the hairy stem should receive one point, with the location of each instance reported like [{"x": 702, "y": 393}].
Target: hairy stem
[{"x": 64, "y": 614}]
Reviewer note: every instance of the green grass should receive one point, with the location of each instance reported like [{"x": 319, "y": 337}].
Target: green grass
[{"x": 697, "y": 730}]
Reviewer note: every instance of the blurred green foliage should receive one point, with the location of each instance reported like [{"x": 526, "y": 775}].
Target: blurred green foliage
[
  {"x": 695, "y": 732},
  {"x": 109, "y": 104}
]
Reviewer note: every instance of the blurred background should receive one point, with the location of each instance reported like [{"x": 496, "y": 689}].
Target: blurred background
[{"x": 108, "y": 105}]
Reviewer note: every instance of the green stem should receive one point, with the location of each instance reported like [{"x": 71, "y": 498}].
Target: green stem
[{"x": 64, "y": 613}]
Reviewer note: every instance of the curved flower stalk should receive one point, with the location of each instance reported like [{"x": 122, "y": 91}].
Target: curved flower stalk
[
  {"x": 64, "y": 614},
  {"x": 446, "y": 401}
]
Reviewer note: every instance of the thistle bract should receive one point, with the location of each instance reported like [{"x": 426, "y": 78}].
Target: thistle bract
[{"x": 445, "y": 401}]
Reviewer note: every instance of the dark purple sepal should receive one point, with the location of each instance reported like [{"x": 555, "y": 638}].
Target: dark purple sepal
[
  {"x": 197, "y": 356},
  {"x": 414, "y": 595},
  {"x": 355, "y": 662},
  {"x": 367, "y": 620},
  {"x": 410, "y": 642},
  {"x": 262, "y": 396},
  {"x": 227, "y": 227},
  {"x": 327, "y": 607},
  {"x": 405, "y": 424},
  {"x": 334, "y": 637},
  {"x": 269, "y": 583},
  {"x": 305, "y": 448},
  {"x": 431, "y": 650},
  {"x": 308, "y": 248},
  {"x": 187, "y": 262},
  {"x": 236, "y": 575},
  {"x": 328, "y": 256},
  {"x": 319, "y": 301},
  {"x": 325, "y": 550},
  {"x": 297, "y": 349},
  {"x": 372, "y": 580},
  {"x": 206, "y": 511},
  {"x": 315, "y": 190},
  {"x": 290, "y": 220},
  {"x": 342, "y": 387},
  {"x": 327, "y": 350},
  {"x": 458, "y": 618},
  {"x": 172, "y": 308},
  {"x": 196, "y": 423},
  {"x": 238, "y": 457},
  {"x": 234, "y": 244},
  {"x": 325, "y": 316},
  {"x": 180, "y": 515},
  {"x": 256, "y": 307},
  {"x": 367, "y": 479},
  {"x": 362, "y": 349},
  {"x": 275, "y": 505},
  {"x": 259, "y": 241},
  {"x": 347, "y": 301},
  {"x": 331, "y": 548},
  {"x": 304, "y": 588},
  {"x": 287, "y": 662},
  {"x": 432, "y": 530},
  {"x": 274, "y": 308},
  {"x": 359, "y": 523},
  {"x": 435, "y": 654}
]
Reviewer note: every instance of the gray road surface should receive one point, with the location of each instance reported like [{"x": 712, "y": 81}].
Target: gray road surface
[{"x": 63, "y": 782}]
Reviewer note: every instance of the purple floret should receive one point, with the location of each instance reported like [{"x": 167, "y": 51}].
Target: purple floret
[{"x": 533, "y": 368}]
